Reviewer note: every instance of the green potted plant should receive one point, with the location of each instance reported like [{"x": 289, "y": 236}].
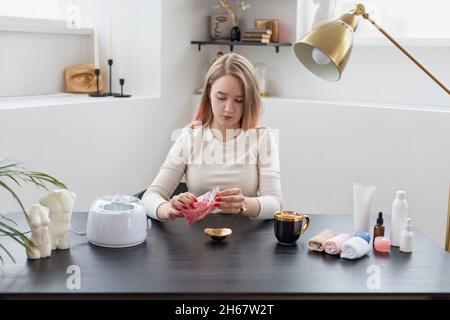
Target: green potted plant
[{"x": 11, "y": 172}]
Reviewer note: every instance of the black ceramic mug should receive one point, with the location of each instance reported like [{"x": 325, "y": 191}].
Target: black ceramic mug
[{"x": 289, "y": 226}]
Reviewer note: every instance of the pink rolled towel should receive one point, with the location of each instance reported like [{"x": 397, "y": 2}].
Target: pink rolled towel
[{"x": 334, "y": 245}]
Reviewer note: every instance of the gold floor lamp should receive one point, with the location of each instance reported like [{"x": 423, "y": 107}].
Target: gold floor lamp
[
  {"x": 326, "y": 49},
  {"x": 447, "y": 240}
]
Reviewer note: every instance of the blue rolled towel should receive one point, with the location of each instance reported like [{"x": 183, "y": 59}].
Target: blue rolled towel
[{"x": 363, "y": 234}]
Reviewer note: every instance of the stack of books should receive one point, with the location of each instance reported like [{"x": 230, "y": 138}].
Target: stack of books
[{"x": 257, "y": 35}]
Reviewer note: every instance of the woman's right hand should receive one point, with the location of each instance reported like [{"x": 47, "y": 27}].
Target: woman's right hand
[{"x": 172, "y": 209}]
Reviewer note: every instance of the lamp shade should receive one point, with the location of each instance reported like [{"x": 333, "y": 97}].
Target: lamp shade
[{"x": 326, "y": 49}]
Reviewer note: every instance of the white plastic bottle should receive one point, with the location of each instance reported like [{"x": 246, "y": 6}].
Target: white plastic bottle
[
  {"x": 406, "y": 240},
  {"x": 398, "y": 217}
]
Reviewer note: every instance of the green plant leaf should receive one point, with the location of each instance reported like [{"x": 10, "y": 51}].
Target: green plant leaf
[
  {"x": 13, "y": 233},
  {"x": 8, "y": 165},
  {"x": 48, "y": 178},
  {"x": 7, "y": 252},
  {"x": 9, "y": 220},
  {"x": 13, "y": 179},
  {"x": 35, "y": 182},
  {"x": 4, "y": 185}
]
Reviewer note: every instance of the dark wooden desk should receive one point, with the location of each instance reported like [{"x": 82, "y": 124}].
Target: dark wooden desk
[{"x": 178, "y": 261}]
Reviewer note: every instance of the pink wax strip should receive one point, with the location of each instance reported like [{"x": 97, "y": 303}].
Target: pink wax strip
[
  {"x": 382, "y": 244},
  {"x": 200, "y": 209}
]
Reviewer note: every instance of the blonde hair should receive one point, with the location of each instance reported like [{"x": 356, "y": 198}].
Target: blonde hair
[{"x": 238, "y": 66}]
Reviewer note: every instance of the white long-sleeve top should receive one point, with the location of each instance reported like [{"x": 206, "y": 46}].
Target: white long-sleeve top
[{"x": 250, "y": 162}]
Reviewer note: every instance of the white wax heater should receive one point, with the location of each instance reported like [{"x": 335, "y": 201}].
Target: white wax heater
[{"x": 117, "y": 221}]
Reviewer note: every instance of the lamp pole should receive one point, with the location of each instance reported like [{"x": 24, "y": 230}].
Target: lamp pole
[{"x": 360, "y": 10}]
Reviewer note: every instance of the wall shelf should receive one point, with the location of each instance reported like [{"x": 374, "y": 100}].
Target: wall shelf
[{"x": 231, "y": 44}]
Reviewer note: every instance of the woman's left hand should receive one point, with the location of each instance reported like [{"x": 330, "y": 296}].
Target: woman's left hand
[{"x": 230, "y": 200}]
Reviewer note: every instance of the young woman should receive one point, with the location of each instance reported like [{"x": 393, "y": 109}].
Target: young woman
[{"x": 222, "y": 147}]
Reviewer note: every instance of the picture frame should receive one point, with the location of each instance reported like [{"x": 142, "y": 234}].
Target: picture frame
[{"x": 220, "y": 26}]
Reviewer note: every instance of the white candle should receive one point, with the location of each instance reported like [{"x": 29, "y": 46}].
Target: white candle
[
  {"x": 96, "y": 53},
  {"x": 121, "y": 59},
  {"x": 109, "y": 39}
]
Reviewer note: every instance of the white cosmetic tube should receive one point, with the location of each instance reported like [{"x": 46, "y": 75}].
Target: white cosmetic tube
[{"x": 363, "y": 199}]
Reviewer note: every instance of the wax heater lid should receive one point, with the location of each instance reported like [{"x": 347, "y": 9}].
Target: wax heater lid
[{"x": 117, "y": 203}]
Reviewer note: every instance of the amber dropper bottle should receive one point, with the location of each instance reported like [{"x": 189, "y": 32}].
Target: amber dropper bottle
[{"x": 378, "y": 230}]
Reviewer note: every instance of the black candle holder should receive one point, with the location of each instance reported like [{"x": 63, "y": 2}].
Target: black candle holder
[
  {"x": 121, "y": 95},
  {"x": 110, "y": 63},
  {"x": 98, "y": 94}
]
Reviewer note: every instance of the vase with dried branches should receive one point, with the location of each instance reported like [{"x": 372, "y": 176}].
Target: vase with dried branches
[{"x": 234, "y": 10}]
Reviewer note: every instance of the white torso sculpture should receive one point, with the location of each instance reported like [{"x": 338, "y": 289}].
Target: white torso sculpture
[
  {"x": 60, "y": 203},
  {"x": 38, "y": 219}
]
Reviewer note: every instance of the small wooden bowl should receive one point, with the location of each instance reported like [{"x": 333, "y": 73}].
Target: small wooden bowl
[{"x": 218, "y": 234}]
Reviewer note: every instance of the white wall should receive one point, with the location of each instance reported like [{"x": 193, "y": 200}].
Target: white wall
[
  {"x": 377, "y": 73},
  {"x": 33, "y": 63},
  {"x": 182, "y": 21},
  {"x": 328, "y": 147},
  {"x": 96, "y": 148},
  {"x": 138, "y": 23}
]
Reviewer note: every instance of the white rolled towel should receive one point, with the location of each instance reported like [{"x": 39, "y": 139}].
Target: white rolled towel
[{"x": 355, "y": 248}]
